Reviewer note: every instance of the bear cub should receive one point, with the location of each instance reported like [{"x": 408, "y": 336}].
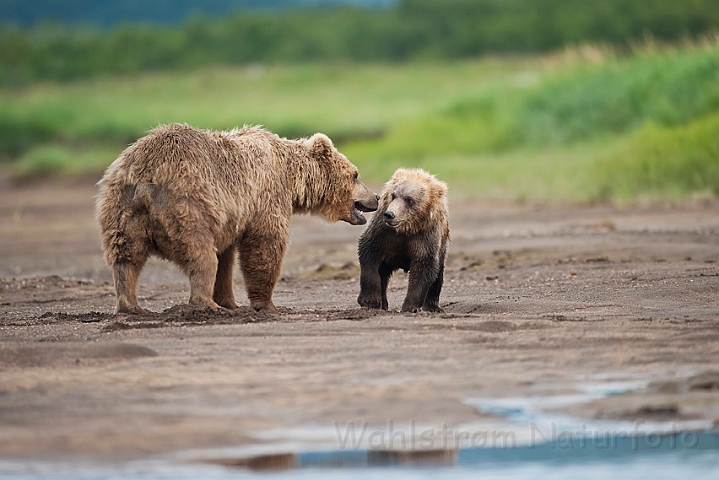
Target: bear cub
[{"x": 409, "y": 231}]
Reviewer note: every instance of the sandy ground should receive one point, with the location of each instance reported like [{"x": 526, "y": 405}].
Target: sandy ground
[{"x": 537, "y": 301}]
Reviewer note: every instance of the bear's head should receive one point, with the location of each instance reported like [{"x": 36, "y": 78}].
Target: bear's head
[
  {"x": 337, "y": 194},
  {"x": 412, "y": 200}
]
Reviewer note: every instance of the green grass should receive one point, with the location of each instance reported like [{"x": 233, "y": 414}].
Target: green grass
[
  {"x": 661, "y": 163},
  {"x": 572, "y": 105},
  {"x": 580, "y": 125},
  {"x": 345, "y": 101},
  {"x": 551, "y": 140},
  {"x": 56, "y": 159}
]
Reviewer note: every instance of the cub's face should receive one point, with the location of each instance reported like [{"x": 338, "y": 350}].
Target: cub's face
[
  {"x": 413, "y": 201},
  {"x": 406, "y": 202}
]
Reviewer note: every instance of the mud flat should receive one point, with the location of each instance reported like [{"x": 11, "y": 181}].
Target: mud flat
[{"x": 537, "y": 299}]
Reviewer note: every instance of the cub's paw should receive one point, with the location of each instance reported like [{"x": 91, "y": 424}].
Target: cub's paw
[
  {"x": 410, "y": 308},
  {"x": 370, "y": 301},
  {"x": 432, "y": 308}
]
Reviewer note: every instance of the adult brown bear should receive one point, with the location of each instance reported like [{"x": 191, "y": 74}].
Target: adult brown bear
[
  {"x": 409, "y": 231},
  {"x": 195, "y": 197}
]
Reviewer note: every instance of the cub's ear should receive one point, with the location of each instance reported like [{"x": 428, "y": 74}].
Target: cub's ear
[{"x": 320, "y": 145}]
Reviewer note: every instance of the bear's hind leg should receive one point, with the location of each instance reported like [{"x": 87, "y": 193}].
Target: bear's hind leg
[
  {"x": 201, "y": 267},
  {"x": 224, "y": 295},
  {"x": 261, "y": 263},
  {"x": 194, "y": 252},
  {"x": 125, "y": 275},
  {"x": 126, "y": 252}
]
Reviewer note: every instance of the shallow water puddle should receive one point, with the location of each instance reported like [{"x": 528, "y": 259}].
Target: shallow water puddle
[
  {"x": 538, "y": 420},
  {"x": 530, "y": 441}
]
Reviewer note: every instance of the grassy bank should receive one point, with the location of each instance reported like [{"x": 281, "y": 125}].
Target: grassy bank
[
  {"x": 578, "y": 125},
  {"x": 613, "y": 128}
]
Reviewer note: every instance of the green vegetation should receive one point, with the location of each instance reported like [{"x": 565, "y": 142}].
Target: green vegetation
[
  {"x": 410, "y": 30},
  {"x": 661, "y": 163},
  {"x": 667, "y": 88},
  {"x": 54, "y": 159},
  {"x": 582, "y": 124},
  {"x": 620, "y": 129},
  {"x": 345, "y": 101}
]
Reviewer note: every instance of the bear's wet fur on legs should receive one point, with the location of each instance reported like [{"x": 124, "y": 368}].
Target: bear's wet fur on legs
[
  {"x": 409, "y": 231},
  {"x": 199, "y": 198}
]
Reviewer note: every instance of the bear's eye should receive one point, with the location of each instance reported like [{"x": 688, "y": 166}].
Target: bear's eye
[
  {"x": 410, "y": 202},
  {"x": 394, "y": 196},
  {"x": 355, "y": 176}
]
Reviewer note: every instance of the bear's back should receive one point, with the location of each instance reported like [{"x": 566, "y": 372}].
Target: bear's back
[{"x": 188, "y": 159}]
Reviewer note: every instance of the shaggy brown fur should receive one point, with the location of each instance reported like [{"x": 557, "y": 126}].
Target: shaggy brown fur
[
  {"x": 409, "y": 231},
  {"x": 195, "y": 197}
]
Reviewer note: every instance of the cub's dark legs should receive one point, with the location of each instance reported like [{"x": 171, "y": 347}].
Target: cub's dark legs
[
  {"x": 385, "y": 273},
  {"x": 372, "y": 285},
  {"x": 422, "y": 275},
  {"x": 423, "y": 290},
  {"x": 431, "y": 303},
  {"x": 371, "y": 291}
]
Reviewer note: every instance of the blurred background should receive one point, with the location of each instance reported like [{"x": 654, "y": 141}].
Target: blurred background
[{"x": 537, "y": 100}]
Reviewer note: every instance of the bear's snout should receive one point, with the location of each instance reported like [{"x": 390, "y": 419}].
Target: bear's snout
[
  {"x": 391, "y": 218},
  {"x": 365, "y": 201}
]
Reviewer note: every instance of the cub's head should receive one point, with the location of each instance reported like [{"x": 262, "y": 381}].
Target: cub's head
[
  {"x": 413, "y": 200},
  {"x": 339, "y": 195}
]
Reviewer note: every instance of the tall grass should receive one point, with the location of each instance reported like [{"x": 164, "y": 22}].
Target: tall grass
[
  {"x": 667, "y": 88},
  {"x": 621, "y": 128},
  {"x": 663, "y": 163}
]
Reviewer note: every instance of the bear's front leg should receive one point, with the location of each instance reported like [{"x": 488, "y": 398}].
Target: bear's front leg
[
  {"x": 370, "y": 286},
  {"x": 431, "y": 303},
  {"x": 261, "y": 263},
  {"x": 422, "y": 273},
  {"x": 370, "y": 282},
  {"x": 370, "y": 293}
]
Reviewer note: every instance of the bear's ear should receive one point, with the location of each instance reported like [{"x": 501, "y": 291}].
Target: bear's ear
[
  {"x": 440, "y": 189},
  {"x": 320, "y": 145}
]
